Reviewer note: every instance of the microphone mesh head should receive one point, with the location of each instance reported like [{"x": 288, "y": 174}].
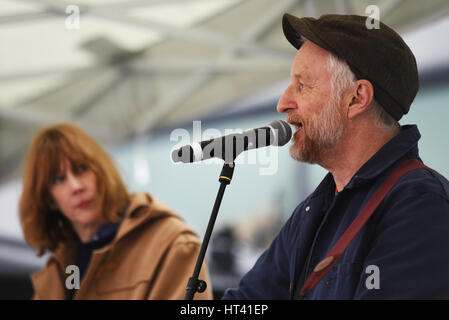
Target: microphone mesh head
[{"x": 284, "y": 132}]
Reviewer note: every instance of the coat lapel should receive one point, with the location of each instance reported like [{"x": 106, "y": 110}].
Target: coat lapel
[{"x": 48, "y": 284}]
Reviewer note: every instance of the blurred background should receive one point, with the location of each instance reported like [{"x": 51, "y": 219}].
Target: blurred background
[{"x": 144, "y": 77}]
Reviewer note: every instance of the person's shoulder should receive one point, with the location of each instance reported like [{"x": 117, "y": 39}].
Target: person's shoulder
[
  {"x": 160, "y": 217},
  {"x": 422, "y": 182},
  {"x": 420, "y": 197},
  {"x": 145, "y": 204}
]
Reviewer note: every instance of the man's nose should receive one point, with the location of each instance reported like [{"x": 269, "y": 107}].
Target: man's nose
[{"x": 286, "y": 101}]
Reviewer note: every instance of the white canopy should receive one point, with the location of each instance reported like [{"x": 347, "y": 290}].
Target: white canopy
[{"x": 128, "y": 67}]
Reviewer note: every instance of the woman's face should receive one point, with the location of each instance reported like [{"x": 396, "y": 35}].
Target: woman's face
[{"x": 74, "y": 192}]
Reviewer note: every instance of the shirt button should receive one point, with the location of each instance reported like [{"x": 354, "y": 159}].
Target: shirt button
[{"x": 307, "y": 209}]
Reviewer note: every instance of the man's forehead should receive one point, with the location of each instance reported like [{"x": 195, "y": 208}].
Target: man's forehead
[
  {"x": 300, "y": 73},
  {"x": 310, "y": 47},
  {"x": 310, "y": 58}
]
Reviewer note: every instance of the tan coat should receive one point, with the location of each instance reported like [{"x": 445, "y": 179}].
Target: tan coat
[{"x": 152, "y": 257}]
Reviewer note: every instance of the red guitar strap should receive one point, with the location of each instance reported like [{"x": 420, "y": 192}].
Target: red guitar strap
[{"x": 336, "y": 252}]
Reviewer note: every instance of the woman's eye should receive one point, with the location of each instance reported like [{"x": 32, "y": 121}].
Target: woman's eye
[
  {"x": 82, "y": 168},
  {"x": 58, "y": 180}
]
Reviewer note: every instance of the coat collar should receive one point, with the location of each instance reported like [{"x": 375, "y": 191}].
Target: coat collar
[
  {"x": 405, "y": 143},
  {"x": 142, "y": 209}
]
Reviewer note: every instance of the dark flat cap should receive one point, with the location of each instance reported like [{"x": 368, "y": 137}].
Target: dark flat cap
[{"x": 378, "y": 55}]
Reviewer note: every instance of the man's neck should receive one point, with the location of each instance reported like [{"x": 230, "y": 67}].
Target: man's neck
[{"x": 353, "y": 151}]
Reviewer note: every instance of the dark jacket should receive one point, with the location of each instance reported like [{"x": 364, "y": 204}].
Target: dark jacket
[{"x": 405, "y": 238}]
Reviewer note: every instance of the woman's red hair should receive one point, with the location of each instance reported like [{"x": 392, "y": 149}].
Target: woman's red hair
[{"x": 43, "y": 226}]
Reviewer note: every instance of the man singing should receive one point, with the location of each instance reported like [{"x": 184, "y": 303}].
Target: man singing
[{"x": 350, "y": 85}]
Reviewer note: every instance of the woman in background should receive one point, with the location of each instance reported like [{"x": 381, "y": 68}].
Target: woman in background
[{"x": 104, "y": 242}]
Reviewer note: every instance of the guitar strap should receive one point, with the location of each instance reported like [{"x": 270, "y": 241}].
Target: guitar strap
[{"x": 323, "y": 267}]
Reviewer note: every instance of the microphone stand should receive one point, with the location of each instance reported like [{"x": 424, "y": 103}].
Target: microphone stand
[{"x": 195, "y": 285}]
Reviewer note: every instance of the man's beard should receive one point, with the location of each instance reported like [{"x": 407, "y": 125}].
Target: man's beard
[{"x": 319, "y": 134}]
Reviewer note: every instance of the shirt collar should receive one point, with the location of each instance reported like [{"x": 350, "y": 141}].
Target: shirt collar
[
  {"x": 404, "y": 143},
  {"x": 106, "y": 230}
]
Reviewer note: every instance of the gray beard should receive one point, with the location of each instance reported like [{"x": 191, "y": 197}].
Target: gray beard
[{"x": 322, "y": 132}]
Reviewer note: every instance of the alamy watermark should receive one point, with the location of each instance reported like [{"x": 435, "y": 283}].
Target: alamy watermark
[
  {"x": 267, "y": 158},
  {"x": 72, "y": 21},
  {"x": 372, "y": 21},
  {"x": 73, "y": 279},
  {"x": 373, "y": 280}
]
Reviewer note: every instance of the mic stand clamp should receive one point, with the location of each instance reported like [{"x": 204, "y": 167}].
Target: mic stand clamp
[{"x": 195, "y": 285}]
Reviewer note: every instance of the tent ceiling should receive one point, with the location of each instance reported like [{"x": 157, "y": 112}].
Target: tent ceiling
[{"x": 135, "y": 66}]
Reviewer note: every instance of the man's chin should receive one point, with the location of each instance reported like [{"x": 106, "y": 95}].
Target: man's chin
[
  {"x": 304, "y": 153},
  {"x": 298, "y": 154}
]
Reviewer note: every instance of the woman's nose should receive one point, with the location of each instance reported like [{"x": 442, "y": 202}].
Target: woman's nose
[{"x": 75, "y": 183}]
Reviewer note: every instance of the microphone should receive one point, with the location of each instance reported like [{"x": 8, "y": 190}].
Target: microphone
[{"x": 228, "y": 147}]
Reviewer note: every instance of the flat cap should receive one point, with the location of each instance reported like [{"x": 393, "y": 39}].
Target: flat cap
[{"x": 378, "y": 55}]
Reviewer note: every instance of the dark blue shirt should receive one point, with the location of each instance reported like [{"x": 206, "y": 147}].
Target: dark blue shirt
[
  {"x": 100, "y": 239},
  {"x": 404, "y": 243}
]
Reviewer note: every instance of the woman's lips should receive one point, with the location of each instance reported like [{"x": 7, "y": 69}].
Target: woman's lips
[{"x": 84, "y": 204}]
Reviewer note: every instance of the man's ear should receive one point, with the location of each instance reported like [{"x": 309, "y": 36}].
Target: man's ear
[{"x": 360, "y": 98}]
